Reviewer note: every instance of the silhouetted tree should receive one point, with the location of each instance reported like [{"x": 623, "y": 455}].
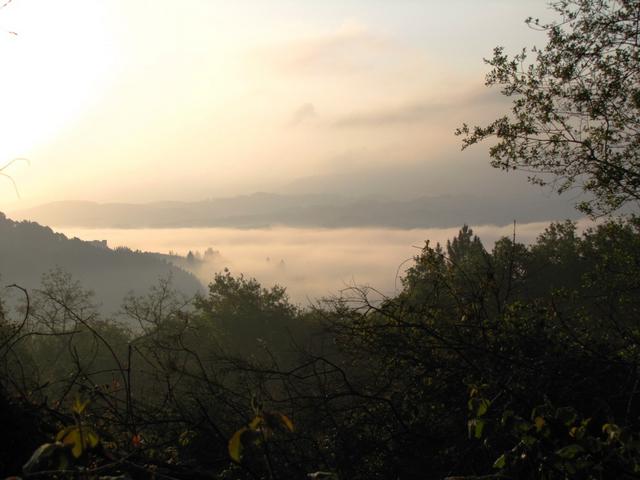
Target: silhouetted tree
[{"x": 575, "y": 116}]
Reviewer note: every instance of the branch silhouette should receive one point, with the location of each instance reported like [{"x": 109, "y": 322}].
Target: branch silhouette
[{"x": 6, "y": 175}]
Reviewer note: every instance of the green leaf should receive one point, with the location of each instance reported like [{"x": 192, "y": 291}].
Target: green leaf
[
  {"x": 483, "y": 407},
  {"x": 611, "y": 430},
  {"x": 476, "y": 427},
  {"x": 570, "y": 451},
  {"x": 567, "y": 415},
  {"x": 479, "y": 406},
  {"x": 500, "y": 462},
  {"x": 507, "y": 417}
]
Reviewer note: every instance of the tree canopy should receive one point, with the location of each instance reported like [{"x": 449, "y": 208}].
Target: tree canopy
[{"x": 575, "y": 115}]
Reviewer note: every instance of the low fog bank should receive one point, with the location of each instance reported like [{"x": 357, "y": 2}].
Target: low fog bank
[{"x": 311, "y": 263}]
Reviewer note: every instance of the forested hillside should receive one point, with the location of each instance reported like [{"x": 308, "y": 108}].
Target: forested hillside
[{"x": 28, "y": 251}]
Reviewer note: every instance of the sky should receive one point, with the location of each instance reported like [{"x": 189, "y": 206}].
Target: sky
[{"x": 148, "y": 100}]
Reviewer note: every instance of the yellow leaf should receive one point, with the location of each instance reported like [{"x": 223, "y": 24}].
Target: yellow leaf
[
  {"x": 79, "y": 406},
  {"x": 276, "y": 421},
  {"x": 539, "y": 422},
  {"x": 286, "y": 421},
  {"x": 235, "y": 445},
  {"x": 257, "y": 422},
  {"x": 70, "y": 436},
  {"x": 76, "y": 441},
  {"x": 186, "y": 437},
  {"x": 79, "y": 438},
  {"x": 91, "y": 438},
  {"x": 64, "y": 432}
]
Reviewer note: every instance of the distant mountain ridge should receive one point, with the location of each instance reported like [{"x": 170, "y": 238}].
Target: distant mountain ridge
[
  {"x": 318, "y": 210},
  {"x": 29, "y": 250}
]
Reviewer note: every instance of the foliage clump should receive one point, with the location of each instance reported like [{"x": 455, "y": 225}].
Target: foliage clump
[{"x": 575, "y": 113}]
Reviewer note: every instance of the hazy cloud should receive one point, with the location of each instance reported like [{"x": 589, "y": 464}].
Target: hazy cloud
[
  {"x": 419, "y": 111},
  {"x": 416, "y": 113},
  {"x": 348, "y": 48},
  {"x": 303, "y": 113}
]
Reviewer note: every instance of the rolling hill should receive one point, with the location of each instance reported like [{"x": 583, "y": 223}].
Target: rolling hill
[{"x": 29, "y": 250}]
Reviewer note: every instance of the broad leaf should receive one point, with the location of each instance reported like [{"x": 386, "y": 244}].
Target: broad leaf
[
  {"x": 80, "y": 438},
  {"x": 500, "y": 462}
]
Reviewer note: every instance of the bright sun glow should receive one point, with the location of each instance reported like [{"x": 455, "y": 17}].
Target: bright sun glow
[{"x": 54, "y": 68}]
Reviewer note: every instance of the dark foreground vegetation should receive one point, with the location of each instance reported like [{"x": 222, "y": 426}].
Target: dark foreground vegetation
[{"x": 521, "y": 362}]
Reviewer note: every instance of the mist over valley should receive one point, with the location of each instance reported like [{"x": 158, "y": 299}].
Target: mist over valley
[{"x": 310, "y": 263}]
